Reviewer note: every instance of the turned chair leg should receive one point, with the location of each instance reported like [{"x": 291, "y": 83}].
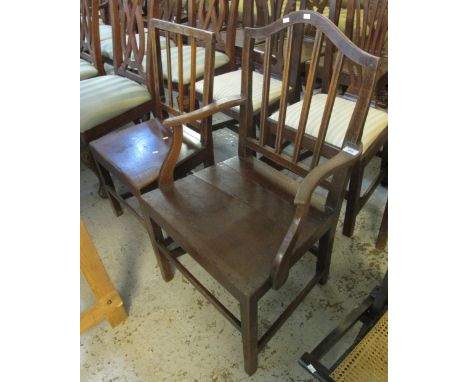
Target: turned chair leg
[
  {"x": 106, "y": 179},
  {"x": 155, "y": 234},
  {"x": 324, "y": 255},
  {"x": 89, "y": 162},
  {"x": 352, "y": 200},
  {"x": 248, "y": 311}
]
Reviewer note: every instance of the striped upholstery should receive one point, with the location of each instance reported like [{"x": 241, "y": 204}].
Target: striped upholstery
[
  {"x": 107, "y": 45},
  {"x": 105, "y": 31},
  {"x": 87, "y": 70},
  {"x": 106, "y": 97},
  {"x": 376, "y": 122},
  {"x": 220, "y": 60},
  {"x": 229, "y": 84}
]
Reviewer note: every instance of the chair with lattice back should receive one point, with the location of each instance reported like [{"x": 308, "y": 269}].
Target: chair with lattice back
[
  {"x": 90, "y": 50},
  {"x": 245, "y": 222}
]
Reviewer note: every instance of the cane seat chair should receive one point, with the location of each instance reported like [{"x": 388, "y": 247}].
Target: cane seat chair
[
  {"x": 90, "y": 51},
  {"x": 109, "y": 102},
  {"x": 134, "y": 156},
  {"x": 245, "y": 222}
]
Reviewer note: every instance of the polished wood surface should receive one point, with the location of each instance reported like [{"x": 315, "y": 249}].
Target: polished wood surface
[{"x": 242, "y": 220}]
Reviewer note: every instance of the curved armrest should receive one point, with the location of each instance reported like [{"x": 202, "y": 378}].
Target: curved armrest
[
  {"x": 205, "y": 111},
  {"x": 342, "y": 160},
  {"x": 346, "y": 158}
]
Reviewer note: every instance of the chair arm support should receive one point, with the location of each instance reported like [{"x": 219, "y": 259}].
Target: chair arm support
[
  {"x": 340, "y": 161},
  {"x": 204, "y": 112},
  {"x": 281, "y": 263}
]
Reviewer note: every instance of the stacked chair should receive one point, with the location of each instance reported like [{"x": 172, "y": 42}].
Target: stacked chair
[
  {"x": 90, "y": 50},
  {"x": 146, "y": 131}
]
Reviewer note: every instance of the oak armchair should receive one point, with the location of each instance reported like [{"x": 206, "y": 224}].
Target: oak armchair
[{"x": 245, "y": 222}]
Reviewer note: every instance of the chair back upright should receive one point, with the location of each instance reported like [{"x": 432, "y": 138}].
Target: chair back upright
[
  {"x": 219, "y": 17},
  {"x": 172, "y": 97},
  {"x": 367, "y": 26},
  {"x": 130, "y": 33},
  {"x": 272, "y": 135},
  {"x": 169, "y": 10},
  {"x": 90, "y": 46}
]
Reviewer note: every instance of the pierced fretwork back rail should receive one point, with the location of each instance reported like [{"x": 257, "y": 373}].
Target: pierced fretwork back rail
[
  {"x": 90, "y": 46},
  {"x": 181, "y": 96},
  {"x": 128, "y": 30},
  {"x": 219, "y": 17},
  {"x": 273, "y": 134},
  {"x": 367, "y": 27}
]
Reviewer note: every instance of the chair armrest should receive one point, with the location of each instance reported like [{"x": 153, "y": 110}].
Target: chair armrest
[
  {"x": 281, "y": 263},
  {"x": 346, "y": 158},
  {"x": 205, "y": 111}
]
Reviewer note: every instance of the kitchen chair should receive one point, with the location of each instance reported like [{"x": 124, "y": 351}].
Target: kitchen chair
[
  {"x": 112, "y": 101},
  {"x": 90, "y": 50},
  {"x": 136, "y": 156},
  {"x": 245, "y": 222}
]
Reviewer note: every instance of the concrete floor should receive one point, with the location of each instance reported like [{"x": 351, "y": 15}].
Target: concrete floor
[{"x": 174, "y": 334}]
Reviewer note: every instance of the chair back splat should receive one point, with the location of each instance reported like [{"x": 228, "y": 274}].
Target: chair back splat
[{"x": 90, "y": 46}]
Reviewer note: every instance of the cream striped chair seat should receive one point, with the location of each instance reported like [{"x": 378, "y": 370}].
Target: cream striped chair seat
[
  {"x": 376, "y": 122},
  {"x": 105, "y": 31},
  {"x": 220, "y": 60},
  {"x": 105, "y": 97},
  {"x": 87, "y": 70},
  {"x": 229, "y": 84},
  {"x": 107, "y": 45}
]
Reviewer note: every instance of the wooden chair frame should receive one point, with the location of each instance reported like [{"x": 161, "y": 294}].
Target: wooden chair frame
[
  {"x": 184, "y": 111},
  {"x": 128, "y": 62},
  {"x": 90, "y": 43},
  {"x": 294, "y": 245}
]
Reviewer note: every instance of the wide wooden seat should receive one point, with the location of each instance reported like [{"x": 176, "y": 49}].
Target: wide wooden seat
[
  {"x": 218, "y": 212},
  {"x": 244, "y": 221},
  {"x": 137, "y": 153}
]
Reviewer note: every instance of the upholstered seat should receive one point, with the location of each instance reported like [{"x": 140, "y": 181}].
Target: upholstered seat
[
  {"x": 107, "y": 45},
  {"x": 136, "y": 153},
  {"x": 105, "y": 97},
  {"x": 220, "y": 60},
  {"x": 229, "y": 84},
  {"x": 105, "y": 32},
  {"x": 87, "y": 70},
  {"x": 376, "y": 122}
]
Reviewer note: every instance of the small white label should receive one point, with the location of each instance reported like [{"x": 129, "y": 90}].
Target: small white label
[
  {"x": 311, "y": 368},
  {"x": 307, "y": 16},
  {"x": 351, "y": 151},
  {"x": 285, "y": 20}
]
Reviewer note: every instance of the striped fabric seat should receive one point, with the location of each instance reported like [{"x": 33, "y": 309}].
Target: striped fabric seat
[
  {"x": 220, "y": 60},
  {"x": 376, "y": 122},
  {"x": 229, "y": 84},
  {"x": 87, "y": 70},
  {"x": 105, "y": 32},
  {"x": 105, "y": 97},
  {"x": 107, "y": 45}
]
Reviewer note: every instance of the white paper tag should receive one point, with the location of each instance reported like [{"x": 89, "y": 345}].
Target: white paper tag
[
  {"x": 350, "y": 150},
  {"x": 311, "y": 368},
  {"x": 307, "y": 16},
  {"x": 285, "y": 20}
]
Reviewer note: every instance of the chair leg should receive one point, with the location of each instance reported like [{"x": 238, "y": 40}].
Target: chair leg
[
  {"x": 248, "y": 311},
  {"x": 89, "y": 162},
  {"x": 352, "y": 201},
  {"x": 324, "y": 255},
  {"x": 384, "y": 164},
  {"x": 155, "y": 234},
  {"x": 106, "y": 180},
  {"x": 383, "y": 231}
]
